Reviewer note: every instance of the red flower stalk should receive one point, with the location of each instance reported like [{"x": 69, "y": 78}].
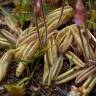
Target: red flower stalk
[
  {"x": 37, "y": 8},
  {"x": 80, "y": 13}
]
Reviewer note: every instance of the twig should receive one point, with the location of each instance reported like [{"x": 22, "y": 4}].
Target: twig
[
  {"x": 60, "y": 15},
  {"x": 36, "y": 21},
  {"x": 45, "y": 24},
  {"x": 60, "y": 91},
  {"x": 44, "y": 93},
  {"x": 40, "y": 40}
]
